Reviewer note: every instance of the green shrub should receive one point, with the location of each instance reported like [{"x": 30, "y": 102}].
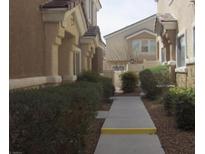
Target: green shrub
[
  {"x": 108, "y": 87},
  {"x": 154, "y": 80},
  {"x": 148, "y": 83},
  {"x": 185, "y": 109},
  {"x": 106, "y": 83},
  {"x": 161, "y": 74},
  {"x": 89, "y": 76},
  {"x": 54, "y": 119},
  {"x": 129, "y": 81},
  {"x": 181, "y": 102},
  {"x": 169, "y": 101}
]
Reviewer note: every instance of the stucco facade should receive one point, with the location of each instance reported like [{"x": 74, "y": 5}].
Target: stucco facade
[
  {"x": 132, "y": 48},
  {"x": 125, "y": 46},
  {"x": 53, "y": 41},
  {"x": 175, "y": 26}
]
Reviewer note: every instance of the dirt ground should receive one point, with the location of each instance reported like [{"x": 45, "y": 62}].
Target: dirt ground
[{"x": 173, "y": 140}]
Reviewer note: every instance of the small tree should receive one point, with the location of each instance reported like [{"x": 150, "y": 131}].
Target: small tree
[{"x": 129, "y": 81}]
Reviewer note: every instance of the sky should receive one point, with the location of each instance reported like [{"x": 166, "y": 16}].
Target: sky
[{"x": 116, "y": 14}]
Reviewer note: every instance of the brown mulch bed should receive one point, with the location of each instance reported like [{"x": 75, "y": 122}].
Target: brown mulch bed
[
  {"x": 173, "y": 140},
  {"x": 93, "y": 136}
]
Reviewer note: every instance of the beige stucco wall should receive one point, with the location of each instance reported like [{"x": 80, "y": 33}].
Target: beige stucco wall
[
  {"x": 184, "y": 12},
  {"x": 119, "y": 41},
  {"x": 119, "y": 44},
  {"x": 97, "y": 62},
  {"x": 186, "y": 79},
  {"x": 141, "y": 55},
  {"x": 26, "y": 39}
]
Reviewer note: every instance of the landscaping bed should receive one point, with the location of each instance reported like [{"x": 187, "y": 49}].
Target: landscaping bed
[
  {"x": 58, "y": 119},
  {"x": 93, "y": 136},
  {"x": 173, "y": 140}
]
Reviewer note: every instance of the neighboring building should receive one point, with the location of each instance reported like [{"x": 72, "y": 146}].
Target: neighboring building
[
  {"x": 53, "y": 41},
  {"x": 132, "y": 48},
  {"x": 175, "y": 28}
]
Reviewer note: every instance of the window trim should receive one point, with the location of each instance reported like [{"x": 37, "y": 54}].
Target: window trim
[
  {"x": 147, "y": 41},
  {"x": 140, "y": 46},
  {"x": 193, "y": 39},
  {"x": 180, "y": 34}
]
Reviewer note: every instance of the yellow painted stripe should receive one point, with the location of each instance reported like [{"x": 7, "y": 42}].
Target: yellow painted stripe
[{"x": 128, "y": 130}]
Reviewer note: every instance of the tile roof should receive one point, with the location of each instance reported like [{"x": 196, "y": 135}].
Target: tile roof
[
  {"x": 93, "y": 31},
  {"x": 61, "y": 4}
]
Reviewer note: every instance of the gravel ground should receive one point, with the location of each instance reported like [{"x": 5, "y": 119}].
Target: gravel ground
[{"x": 173, "y": 140}]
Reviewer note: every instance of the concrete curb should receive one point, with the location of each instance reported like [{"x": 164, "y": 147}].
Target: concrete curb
[{"x": 128, "y": 131}]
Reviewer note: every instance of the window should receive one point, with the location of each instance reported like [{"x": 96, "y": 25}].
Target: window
[
  {"x": 194, "y": 41},
  {"x": 136, "y": 47},
  {"x": 118, "y": 68},
  {"x": 148, "y": 46},
  {"x": 181, "y": 51},
  {"x": 145, "y": 46},
  {"x": 77, "y": 63},
  {"x": 152, "y": 46},
  {"x": 163, "y": 55}
]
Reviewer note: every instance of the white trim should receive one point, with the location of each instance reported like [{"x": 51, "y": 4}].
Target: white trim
[
  {"x": 171, "y": 63},
  {"x": 182, "y": 69},
  {"x": 140, "y": 32},
  {"x": 193, "y": 39},
  {"x": 170, "y": 25},
  {"x": 190, "y": 60},
  {"x": 33, "y": 81},
  {"x": 53, "y": 15}
]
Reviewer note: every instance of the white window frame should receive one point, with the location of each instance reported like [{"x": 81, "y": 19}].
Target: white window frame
[
  {"x": 191, "y": 60},
  {"x": 140, "y": 46}
]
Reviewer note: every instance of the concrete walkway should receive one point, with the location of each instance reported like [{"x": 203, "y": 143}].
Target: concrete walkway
[{"x": 128, "y": 129}]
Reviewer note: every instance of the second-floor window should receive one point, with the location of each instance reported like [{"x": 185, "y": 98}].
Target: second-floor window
[{"x": 143, "y": 46}]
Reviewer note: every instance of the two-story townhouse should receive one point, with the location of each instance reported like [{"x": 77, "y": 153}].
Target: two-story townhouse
[
  {"x": 132, "y": 48},
  {"x": 175, "y": 28},
  {"x": 53, "y": 41}
]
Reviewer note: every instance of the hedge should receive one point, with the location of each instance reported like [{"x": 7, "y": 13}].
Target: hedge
[
  {"x": 181, "y": 103},
  {"x": 106, "y": 83},
  {"x": 148, "y": 83},
  {"x": 52, "y": 120},
  {"x": 153, "y": 77},
  {"x": 129, "y": 81}
]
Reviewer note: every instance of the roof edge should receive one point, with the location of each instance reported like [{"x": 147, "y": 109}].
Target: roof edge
[{"x": 124, "y": 28}]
